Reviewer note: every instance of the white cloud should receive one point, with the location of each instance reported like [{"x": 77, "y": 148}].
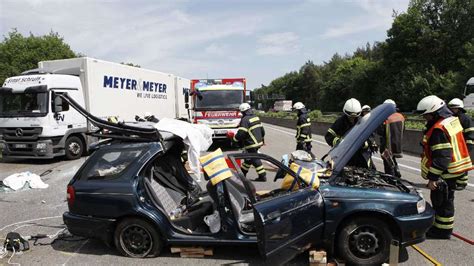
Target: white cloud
[
  {"x": 376, "y": 15},
  {"x": 278, "y": 43}
]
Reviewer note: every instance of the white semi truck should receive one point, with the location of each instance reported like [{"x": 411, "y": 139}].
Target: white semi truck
[{"x": 30, "y": 129}]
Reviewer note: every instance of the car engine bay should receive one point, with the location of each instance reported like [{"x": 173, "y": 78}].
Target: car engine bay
[{"x": 369, "y": 178}]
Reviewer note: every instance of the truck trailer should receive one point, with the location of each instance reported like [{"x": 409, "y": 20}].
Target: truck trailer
[
  {"x": 30, "y": 129},
  {"x": 215, "y": 102}
]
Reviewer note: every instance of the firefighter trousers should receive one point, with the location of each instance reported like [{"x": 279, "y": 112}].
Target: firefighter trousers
[
  {"x": 257, "y": 163},
  {"x": 305, "y": 146},
  {"x": 443, "y": 204}
]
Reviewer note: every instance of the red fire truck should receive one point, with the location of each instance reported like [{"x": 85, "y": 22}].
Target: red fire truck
[{"x": 216, "y": 103}]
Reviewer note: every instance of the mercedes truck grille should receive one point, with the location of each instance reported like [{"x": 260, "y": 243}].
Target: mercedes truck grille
[{"x": 21, "y": 133}]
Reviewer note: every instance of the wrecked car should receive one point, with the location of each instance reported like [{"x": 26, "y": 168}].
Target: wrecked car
[{"x": 127, "y": 195}]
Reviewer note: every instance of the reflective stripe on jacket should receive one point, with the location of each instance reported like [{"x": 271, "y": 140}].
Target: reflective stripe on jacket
[{"x": 460, "y": 159}]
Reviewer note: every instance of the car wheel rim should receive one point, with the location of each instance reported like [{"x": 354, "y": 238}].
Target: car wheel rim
[
  {"x": 365, "y": 242},
  {"x": 74, "y": 148},
  {"x": 136, "y": 241}
]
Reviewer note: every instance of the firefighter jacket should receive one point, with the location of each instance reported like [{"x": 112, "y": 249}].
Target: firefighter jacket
[
  {"x": 303, "y": 127},
  {"x": 391, "y": 134},
  {"x": 468, "y": 130},
  {"x": 338, "y": 130},
  {"x": 250, "y": 133},
  {"x": 445, "y": 154}
]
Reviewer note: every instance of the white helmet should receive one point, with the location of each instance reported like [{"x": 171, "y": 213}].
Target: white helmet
[
  {"x": 390, "y": 101},
  {"x": 366, "y": 108},
  {"x": 430, "y": 104},
  {"x": 244, "y": 107},
  {"x": 298, "y": 106},
  {"x": 456, "y": 103},
  {"x": 352, "y": 107}
]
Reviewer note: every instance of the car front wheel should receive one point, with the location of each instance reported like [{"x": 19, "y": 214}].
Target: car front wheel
[
  {"x": 137, "y": 238},
  {"x": 364, "y": 241}
]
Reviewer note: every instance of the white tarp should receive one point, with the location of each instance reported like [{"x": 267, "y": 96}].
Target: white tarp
[
  {"x": 198, "y": 137},
  {"x": 18, "y": 181}
]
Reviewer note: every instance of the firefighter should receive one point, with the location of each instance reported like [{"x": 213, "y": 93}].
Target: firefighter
[
  {"x": 391, "y": 139},
  {"x": 303, "y": 128},
  {"x": 457, "y": 107},
  {"x": 343, "y": 124},
  {"x": 445, "y": 159},
  {"x": 250, "y": 136},
  {"x": 365, "y": 110}
]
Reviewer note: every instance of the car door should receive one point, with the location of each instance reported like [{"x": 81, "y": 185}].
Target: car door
[{"x": 288, "y": 223}]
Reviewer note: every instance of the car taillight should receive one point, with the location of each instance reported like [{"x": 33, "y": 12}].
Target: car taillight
[{"x": 71, "y": 195}]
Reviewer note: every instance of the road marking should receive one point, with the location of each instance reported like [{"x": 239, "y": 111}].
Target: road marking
[
  {"x": 428, "y": 257},
  {"x": 375, "y": 157},
  {"x": 463, "y": 238}
]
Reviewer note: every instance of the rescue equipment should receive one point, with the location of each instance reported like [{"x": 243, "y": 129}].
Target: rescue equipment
[
  {"x": 215, "y": 166},
  {"x": 309, "y": 177}
]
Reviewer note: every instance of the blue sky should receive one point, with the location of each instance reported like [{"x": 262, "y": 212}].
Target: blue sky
[{"x": 258, "y": 40}]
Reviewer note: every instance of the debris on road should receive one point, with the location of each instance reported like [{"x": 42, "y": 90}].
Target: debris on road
[
  {"x": 24, "y": 180},
  {"x": 193, "y": 252}
]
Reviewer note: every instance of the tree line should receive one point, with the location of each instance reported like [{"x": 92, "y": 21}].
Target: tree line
[
  {"x": 429, "y": 50},
  {"x": 19, "y": 53}
]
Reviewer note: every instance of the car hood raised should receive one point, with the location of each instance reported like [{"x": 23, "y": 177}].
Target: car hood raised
[{"x": 355, "y": 138}]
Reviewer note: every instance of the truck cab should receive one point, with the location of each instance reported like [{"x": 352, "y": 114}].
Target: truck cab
[
  {"x": 216, "y": 104},
  {"x": 29, "y": 127}
]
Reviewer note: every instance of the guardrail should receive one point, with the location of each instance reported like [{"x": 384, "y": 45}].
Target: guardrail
[{"x": 411, "y": 137}]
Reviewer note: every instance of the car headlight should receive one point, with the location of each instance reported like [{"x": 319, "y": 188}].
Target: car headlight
[
  {"x": 421, "y": 205},
  {"x": 41, "y": 145}
]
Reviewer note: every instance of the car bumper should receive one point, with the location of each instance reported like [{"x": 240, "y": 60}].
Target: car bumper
[
  {"x": 413, "y": 228},
  {"x": 90, "y": 227},
  {"x": 28, "y": 150}
]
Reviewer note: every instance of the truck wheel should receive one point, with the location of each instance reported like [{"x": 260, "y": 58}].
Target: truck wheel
[
  {"x": 74, "y": 148},
  {"x": 364, "y": 241},
  {"x": 137, "y": 238}
]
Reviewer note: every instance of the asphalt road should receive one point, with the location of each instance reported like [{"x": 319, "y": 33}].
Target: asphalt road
[{"x": 39, "y": 211}]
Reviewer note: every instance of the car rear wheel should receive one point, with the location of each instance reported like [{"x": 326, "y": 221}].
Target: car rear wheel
[
  {"x": 74, "y": 148},
  {"x": 364, "y": 241},
  {"x": 137, "y": 238}
]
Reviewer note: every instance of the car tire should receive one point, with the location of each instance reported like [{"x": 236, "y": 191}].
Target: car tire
[
  {"x": 137, "y": 238},
  {"x": 364, "y": 241},
  {"x": 74, "y": 148}
]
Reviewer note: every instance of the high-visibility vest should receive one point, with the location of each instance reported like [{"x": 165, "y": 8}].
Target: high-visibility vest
[
  {"x": 215, "y": 166},
  {"x": 460, "y": 159},
  {"x": 309, "y": 177}
]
